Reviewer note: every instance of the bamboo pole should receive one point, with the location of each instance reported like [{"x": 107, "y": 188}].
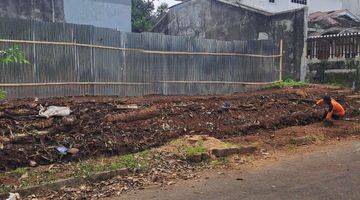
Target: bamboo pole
[
  {"x": 281, "y": 61},
  {"x": 128, "y": 83},
  {"x": 137, "y": 50}
]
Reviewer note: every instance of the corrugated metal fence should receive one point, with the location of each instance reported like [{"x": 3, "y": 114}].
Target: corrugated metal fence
[{"x": 74, "y": 60}]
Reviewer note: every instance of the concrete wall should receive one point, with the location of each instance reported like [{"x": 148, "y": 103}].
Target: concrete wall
[
  {"x": 40, "y": 10},
  {"x": 114, "y": 14},
  {"x": 343, "y": 73},
  {"x": 216, "y": 20}
]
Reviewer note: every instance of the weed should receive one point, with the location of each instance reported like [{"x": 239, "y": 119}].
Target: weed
[
  {"x": 287, "y": 83},
  {"x": 20, "y": 171},
  {"x": 198, "y": 149},
  {"x": 5, "y": 189}
]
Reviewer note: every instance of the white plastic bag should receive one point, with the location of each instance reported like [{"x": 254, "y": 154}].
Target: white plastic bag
[
  {"x": 13, "y": 196},
  {"x": 54, "y": 111}
]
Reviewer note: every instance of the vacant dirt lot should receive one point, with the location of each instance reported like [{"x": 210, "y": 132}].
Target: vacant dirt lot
[{"x": 105, "y": 126}]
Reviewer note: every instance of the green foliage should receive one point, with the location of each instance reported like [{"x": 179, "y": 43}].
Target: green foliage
[
  {"x": 287, "y": 83},
  {"x": 161, "y": 10},
  {"x": 143, "y": 15},
  {"x": 196, "y": 150},
  {"x": 2, "y": 94},
  {"x": 13, "y": 55}
]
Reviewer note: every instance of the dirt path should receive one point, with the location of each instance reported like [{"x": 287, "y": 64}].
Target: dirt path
[{"x": 327, "y": 172}]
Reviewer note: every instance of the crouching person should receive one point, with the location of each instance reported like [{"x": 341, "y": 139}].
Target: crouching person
[{"x": 335, "y": 110}]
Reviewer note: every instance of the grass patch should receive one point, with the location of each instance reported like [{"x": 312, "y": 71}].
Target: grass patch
[
  {"x": 48, "y": 174},
  {"x": 287, "y": 83},
  {"x": 130, "y": 161},
  {"x": 356, "y": 112},
  {"x": 196, "y": 150}
]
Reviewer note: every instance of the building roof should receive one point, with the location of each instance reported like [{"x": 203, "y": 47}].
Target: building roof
[
  {"x": 333, "y": 22},
  {"x": 263, "y": 7}
]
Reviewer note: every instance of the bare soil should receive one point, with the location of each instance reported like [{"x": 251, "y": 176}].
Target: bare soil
[{"x": 100, "y": 127}]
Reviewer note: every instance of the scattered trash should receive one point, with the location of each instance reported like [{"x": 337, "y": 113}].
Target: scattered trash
[
  {"x": 171, "y": 183},
  {"x": 166, "y": 127},
  {"x": 226, "y": 106},
  {"x": 32, "y": 163},
  {"x": 73, "y": 151},
  {"x": 264, "y": 152},
  {"x": 124, "y": 107},
  {"x": 14, "y": 196},
  {"x": 54, "y": 111},
  {"x": 62, "y": 150}
]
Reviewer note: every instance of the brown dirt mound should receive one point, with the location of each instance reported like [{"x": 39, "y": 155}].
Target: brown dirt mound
[{"x": 99, "y": 126}]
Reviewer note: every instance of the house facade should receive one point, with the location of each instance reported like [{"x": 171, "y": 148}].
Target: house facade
[
  {"x": 114, "y": 14},
  {"x": 224, "y": 20}
]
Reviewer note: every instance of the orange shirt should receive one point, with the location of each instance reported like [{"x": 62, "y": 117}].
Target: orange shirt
[{"x": 337, "y": 108}]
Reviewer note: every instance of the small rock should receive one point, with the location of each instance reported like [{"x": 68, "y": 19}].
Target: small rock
[
  {"x": 73, "y": 151},
  {"x": 247, "y": 150},
  {"x": 69, "y": 120},
  {"x": 24, "y": 176},
  {"x": 198, "y": 157},
  {"x": 166, "y": 127},
  {"x": 223, "y": 152},
  {"x": 32, "y": 163},
  {"x": 170, "y": 183}
]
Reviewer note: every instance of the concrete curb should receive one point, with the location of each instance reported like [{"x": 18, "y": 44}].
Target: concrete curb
[
  {"x": 234, "y": 150},
  {"x": 57, "y": 185}
]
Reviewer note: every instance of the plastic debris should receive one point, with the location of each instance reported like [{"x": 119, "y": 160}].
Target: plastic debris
[
  {"x": 62, "y": 150},
  {"x": 226, "y": 106},
  {"x": 54, "y": 111},
  {"x": 124, "y": 107},
  {"x": 32, "y": 163},
  {"x": 14, "y": 196}
]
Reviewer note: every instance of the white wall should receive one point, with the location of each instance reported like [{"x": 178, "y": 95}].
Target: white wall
[{"x": 324, "y": 5}]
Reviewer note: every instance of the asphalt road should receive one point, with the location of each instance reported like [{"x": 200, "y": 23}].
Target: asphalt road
[{"x": 331, "y": 172}]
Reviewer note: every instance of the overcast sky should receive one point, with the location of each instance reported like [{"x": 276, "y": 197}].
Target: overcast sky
[{"x": 169, "y": 2}]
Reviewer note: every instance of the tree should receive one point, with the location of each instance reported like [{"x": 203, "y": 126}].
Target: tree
[
  {"x": 141, "y": 15},
  {"x": 11, "y": 55},
  {"x": 161, "y": 10}
]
